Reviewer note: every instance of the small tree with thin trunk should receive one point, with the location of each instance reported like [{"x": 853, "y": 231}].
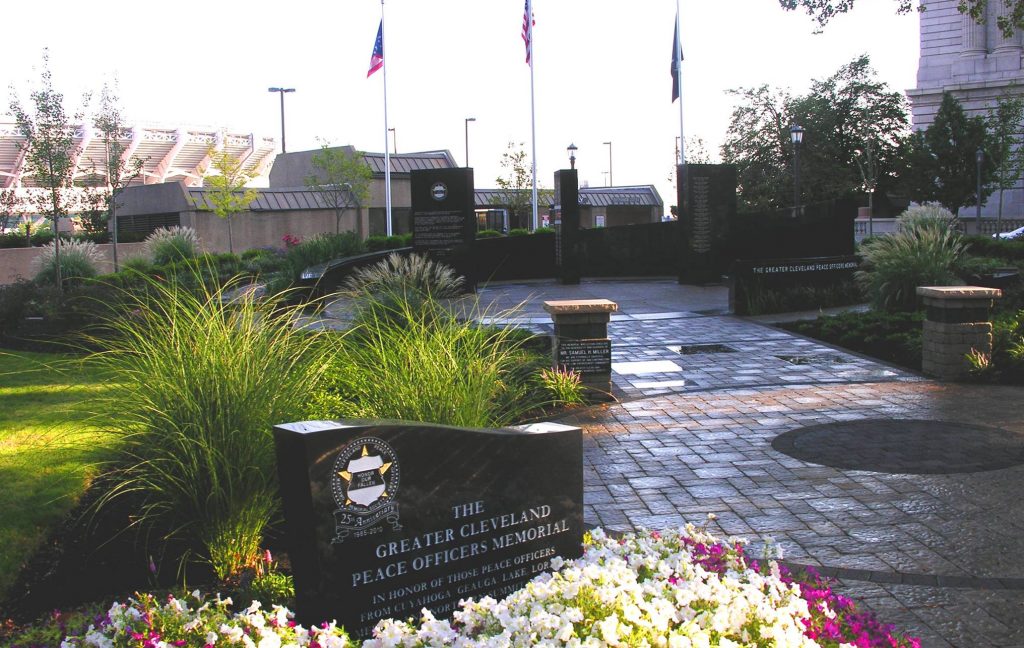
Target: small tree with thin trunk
[
  {"x": 342, "y": 180},
  {"x": 1005, "y": 151},
  {"x": 515, "y": 188},
  {"x": 49, "y": 148},
  {"x": 226, "y": 190},
  {"x": 119, "y": 171}
]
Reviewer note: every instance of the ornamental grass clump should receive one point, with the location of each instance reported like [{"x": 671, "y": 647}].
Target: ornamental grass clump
[
  {"x": 925, "y": 252},
  {"x": 386, "y": 290},
  {"x": 78, "y": 261},
  {"x": 197, "y": 382},
  {"x": 434, "y": 368},
  {"x": 171, "y": 244}
]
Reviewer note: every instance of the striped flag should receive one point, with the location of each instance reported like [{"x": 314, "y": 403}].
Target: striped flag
[
  {"x": 528, "y": 24},
  {"x": 377, "y": 58}
]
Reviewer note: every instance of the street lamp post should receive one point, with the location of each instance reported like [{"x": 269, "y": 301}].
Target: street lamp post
[
  {"x": 796, "y": 134},
  {"x": 394, "y": 140},
  {"x": 468, "y": 119},
  {"x": 281, "y": 92},
  {"x": 572, "y": 155},
  {"x": 611, "y": 181},
  {"x": 979, "y": 157}
]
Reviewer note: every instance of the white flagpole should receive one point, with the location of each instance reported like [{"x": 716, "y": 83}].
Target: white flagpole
[
  {"x": 387, "y": 155},
  {"x": 533, "y": 114},
  {"x": 679, "y": 79}
]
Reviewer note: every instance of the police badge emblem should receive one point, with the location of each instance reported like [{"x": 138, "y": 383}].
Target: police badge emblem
[{"x": 364, "y": 482}]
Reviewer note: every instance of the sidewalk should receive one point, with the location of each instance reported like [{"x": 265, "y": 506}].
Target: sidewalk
[{"x": 905, "y": 489}]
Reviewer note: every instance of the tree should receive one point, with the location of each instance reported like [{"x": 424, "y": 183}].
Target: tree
[
  {"x": 1004, "y": 150},
  {"x": 825, "y": 10},
  {"x": 844, "y": 116},
  {"x": 515, "y": 189},
  {"x": 941, "y": 160},
  {"x": 10, "y": 207},
  {"x": 757, "y": 142},
  {"x": 49, "y": 148},
  {"x": 118, "y": 170},
  {"x": 342, "y": 179},
  {"x": 226, "y": 190}
]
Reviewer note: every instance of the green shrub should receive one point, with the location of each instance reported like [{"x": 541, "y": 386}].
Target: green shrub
[
  {"x": 171, "y": 244},
  {"x": 137, "y": 264},
  {"x": 924, "y": 253},
  {"x": 518, "y": 231},
  {"x": 892, "y": 337},
  {"x": 13, "y": 240},
  {"x": 544, "y": 230},
  {"x": 78, "y": 261},
  {"x": 379, "y": 243},
  {"x": 488, "y": 233},
  {"x": 198, "y": 380},
  {"x": 266, "y": 262},
  {"x": 321, "y": 249},
  {"x": 986, "y": 246}
]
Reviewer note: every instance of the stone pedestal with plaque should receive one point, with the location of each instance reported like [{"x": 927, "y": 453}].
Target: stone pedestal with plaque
[{"x": 581, "y": 342}]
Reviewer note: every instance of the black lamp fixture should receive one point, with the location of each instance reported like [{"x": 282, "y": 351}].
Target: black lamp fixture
[
  {"x": 979, "y": 157},
  {"x": 796, "y": 134},
  {"x": 572, "y": 155},
  {"x": 468, "y": 119},
  {"x": 611, "y": 181},
  {"x": 282, "y": 91}
]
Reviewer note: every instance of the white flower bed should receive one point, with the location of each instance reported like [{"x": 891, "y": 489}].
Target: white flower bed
[{"x": 683, "y": 589}]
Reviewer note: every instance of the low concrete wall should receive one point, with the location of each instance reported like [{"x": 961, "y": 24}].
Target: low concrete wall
[
  {"x": 262, "y": 229},
  {"x": 18, "y": 263}
]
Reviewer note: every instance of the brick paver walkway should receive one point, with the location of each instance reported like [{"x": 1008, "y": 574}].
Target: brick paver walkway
[{"x": 692, "y": 434}]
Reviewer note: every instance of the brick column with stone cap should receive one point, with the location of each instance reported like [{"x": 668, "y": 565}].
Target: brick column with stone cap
[
  {"x": 958, "y": 321},
  {"x": 581, "y": 342}
]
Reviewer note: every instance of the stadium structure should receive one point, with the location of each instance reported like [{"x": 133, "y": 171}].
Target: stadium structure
[{"x": 168, "y": 154}]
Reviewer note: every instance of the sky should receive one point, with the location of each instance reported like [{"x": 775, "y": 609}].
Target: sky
[{"x": 601, "y": 71}]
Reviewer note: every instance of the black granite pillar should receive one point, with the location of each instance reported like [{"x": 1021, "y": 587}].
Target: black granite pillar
[{"x": 567, "y": 231}]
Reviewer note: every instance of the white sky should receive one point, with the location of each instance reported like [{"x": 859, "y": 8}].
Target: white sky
[{"x": 601, "y": 70}]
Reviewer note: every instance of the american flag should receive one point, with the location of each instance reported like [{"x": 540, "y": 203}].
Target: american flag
[
  {"x": 528, "y": 24},
  {"x": 377, "y": 58}
]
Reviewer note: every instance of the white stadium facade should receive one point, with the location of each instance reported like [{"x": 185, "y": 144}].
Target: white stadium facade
[{"x": 168, "y": 154}]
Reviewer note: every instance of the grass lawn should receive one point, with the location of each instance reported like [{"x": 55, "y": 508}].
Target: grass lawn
[{"x": 46, "y": 448}]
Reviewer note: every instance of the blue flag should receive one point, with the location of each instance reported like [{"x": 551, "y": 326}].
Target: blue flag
[{"x": 677, "y": 57}]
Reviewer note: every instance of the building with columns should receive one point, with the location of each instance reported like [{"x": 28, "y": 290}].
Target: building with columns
[{"x": 977, "y": 64}]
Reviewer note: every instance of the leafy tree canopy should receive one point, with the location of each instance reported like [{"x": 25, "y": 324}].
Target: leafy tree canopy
[
  {"x": 941, "y": 163},
  {"x": 825, "y": 10},
  {"x": 342, "y": 179},
  {"x": 854, "y": 128}
]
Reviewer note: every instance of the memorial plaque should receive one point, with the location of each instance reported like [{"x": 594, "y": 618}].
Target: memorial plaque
[
  {"x": 443, "y": 215},
  {"x": 586, "y": 356},
  {"x": 383, "y": 519},
  {"x": 444, "y": 218}
]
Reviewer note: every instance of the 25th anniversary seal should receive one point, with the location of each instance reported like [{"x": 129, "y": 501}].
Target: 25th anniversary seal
[{"x": 364, "y": 482}]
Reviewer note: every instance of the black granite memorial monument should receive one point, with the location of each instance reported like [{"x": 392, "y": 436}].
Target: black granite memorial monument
[
  {"x": 707, "y": 193},
  {"x": 444, "y": 218},
  {"x": 384, "y": 519}
]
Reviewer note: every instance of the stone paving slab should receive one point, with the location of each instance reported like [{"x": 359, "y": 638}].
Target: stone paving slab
[{"x": 936, "y": 554}]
